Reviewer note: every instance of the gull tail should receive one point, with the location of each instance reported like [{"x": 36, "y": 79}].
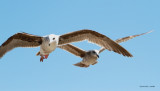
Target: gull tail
[{"x": 81, "y": 65}]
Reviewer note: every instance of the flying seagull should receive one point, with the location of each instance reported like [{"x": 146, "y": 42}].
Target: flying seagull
[
  {"x": 50, "y": 42},
  {"x": 90, "y": 57}
]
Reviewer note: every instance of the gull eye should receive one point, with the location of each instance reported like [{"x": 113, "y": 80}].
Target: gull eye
[
  {"x": 53, "y": 38},
  {"x": 93, "y": 52}
]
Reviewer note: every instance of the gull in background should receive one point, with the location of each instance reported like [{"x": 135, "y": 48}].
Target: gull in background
[
  {"x": 50, "y": 42},
  {"x": 90, "y": 57}
]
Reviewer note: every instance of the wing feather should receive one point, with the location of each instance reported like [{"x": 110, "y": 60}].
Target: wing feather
[
  {"x": 124, "y": 39},
  {"x": 73, "y": 49},
  {"x": 129, "y": 37},
  {"x": 20, "y": 40},
  {"x": 94, "y": 37}
]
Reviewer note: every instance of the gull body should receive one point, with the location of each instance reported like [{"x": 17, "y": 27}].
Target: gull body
[
  {"x": 90, "y": 58},
  {"x": 48, "y": 45}
]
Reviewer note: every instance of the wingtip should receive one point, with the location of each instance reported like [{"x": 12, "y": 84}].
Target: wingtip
[
  {"x": 127, "y": 55},
  {"x": 150, "y": 31},
  {"x": 146, "y": 32},
  {"x": 130, "y": 56}
]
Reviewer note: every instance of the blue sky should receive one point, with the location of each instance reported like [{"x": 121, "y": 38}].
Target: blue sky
[{"x": 20, "y": 69}]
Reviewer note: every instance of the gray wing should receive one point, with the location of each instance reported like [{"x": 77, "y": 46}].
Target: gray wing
[
  {"x": 94, "y": 37},
  {"x": 125, "y": 39},
  {"x": 20, "y": 40},
  {"x": 73, "y": 49}
]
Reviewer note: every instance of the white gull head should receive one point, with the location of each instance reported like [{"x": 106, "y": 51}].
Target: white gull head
[
  {"x": 49, "y": 44},
  {"x": 53, "y": 38}
]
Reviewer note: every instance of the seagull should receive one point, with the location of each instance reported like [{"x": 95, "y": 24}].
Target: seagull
[
  {"x": 50, "y": 42},
  {"x": 90, "y": 57}
]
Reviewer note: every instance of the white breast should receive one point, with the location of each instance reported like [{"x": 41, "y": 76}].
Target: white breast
[{"x": 46, "y": 47}]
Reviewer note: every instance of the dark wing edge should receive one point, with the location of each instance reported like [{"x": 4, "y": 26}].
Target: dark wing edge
[{"x": 20, "y": 40}]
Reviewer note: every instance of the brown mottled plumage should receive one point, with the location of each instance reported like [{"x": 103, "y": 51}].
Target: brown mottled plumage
[
  {"x": 91, "y": 59},
  {"x": 73, "y": 49},
  {"x": 20, "y": 40},
  {"x": 93, "y": 37},
  {"x": 124, "y": 39},
  {"x": 50, "y": 42}
]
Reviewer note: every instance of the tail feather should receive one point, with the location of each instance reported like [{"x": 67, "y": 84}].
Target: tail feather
[{"x": 81, "y": 65}]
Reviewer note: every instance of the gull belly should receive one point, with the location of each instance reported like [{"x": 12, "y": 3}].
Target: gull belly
[{"x": 89, "y": 60}]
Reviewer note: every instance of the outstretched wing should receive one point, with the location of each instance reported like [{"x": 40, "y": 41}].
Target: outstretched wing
[
  {"x": 125, "y": 39},
  {"x": 73, "y": 49},
  {"x": 20, "y": 40},
  {"x": 129, "y": 37},
  {"x": 93, "y": 37}
]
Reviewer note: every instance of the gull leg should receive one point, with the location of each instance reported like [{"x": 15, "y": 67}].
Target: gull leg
[
  {"x": 41, "y": 59},
  {"x": 46, "y": 56}
]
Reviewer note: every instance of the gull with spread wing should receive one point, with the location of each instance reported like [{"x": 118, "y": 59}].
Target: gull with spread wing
[
  {"x": 50, "y": 42},
  {"x": 90, "y": 57}
]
